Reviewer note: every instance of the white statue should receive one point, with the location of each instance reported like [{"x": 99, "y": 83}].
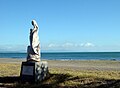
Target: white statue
[{"x": 33, "y": 50}]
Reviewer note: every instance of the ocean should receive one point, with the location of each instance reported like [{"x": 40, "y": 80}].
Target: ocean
[{"x": 68, "y": 55}]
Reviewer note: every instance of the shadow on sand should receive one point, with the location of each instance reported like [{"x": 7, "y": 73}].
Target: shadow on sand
[{"x": 60, "y": 81}]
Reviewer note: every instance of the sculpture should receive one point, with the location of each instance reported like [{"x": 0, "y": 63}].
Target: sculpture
[
  {"x": 34, "y": 70},
  {"x": 33, "y": 51}
]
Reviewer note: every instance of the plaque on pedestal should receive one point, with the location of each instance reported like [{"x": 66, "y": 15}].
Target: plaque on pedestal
[{"x": 33, "y": 71}]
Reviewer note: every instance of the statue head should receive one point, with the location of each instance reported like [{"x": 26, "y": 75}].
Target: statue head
[{"x": 34, "y": 23}]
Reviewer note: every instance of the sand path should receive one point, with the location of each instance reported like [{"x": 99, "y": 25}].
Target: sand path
[{"x": 76, "y": 65}]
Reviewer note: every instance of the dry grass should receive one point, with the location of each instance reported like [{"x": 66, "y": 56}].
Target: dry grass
[
  {"x": 9, "y": 69},
  {"x": 90, "y": 73},
  {"x": 61, "y": 78}
]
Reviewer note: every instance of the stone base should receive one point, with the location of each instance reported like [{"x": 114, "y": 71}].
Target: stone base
[{"x": 33, "y": 71}]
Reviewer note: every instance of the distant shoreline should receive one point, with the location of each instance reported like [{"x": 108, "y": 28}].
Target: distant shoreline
[
  {"x": 66, "y": 52},
  {"x": 114, "y": 56}
]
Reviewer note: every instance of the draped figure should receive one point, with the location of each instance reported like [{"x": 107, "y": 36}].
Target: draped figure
[{"x": 33, "y": 49}]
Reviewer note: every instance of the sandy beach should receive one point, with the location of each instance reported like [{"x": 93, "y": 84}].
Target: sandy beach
[{"x": 98, "y": 65}]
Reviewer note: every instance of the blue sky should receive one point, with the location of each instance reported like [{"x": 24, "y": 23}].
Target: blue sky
[{"x": 64, "y": 25}]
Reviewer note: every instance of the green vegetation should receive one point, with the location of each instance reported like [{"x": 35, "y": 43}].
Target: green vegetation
[{"x": 61, "y": 78}]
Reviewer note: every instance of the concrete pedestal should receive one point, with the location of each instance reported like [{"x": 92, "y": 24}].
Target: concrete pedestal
[{"x": 33, "y": 71}]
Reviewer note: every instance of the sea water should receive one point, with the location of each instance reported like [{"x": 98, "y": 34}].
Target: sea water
[{"x": 68, "y": 55}]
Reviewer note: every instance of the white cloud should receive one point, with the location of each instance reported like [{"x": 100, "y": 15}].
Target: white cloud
[
  {"x": 82, "y": 45},
  {"x": 89, "y": 45},
  {"x": 86, "y": 44},
  {"x": 68, "y": 45},
  {"x": 52, "y": 45}
]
